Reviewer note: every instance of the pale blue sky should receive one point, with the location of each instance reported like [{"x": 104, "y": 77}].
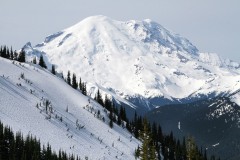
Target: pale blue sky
[{"x": 211, "y": 25}]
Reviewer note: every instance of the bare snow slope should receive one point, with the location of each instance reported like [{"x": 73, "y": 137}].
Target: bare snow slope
[
  {"x": 24, "y": 90},
  {"x": 138, "y": 59}
]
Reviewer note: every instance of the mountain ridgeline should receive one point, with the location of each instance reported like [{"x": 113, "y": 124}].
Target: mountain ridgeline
[
  {"x": 121, "y": 83},
  {"x": 140, "y": 64},
  {"x": 214, "y": 123}
]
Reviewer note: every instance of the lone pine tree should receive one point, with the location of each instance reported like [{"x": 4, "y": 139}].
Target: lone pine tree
[
  {"x": 53, "y": 69},
  {"x": 41, "y": 62},
  {"x": 74, "y": 81},
  {"x": 147, "y": 150},
  {"x": 21, "y": 56},
  {"x": 68, "y": 78}
]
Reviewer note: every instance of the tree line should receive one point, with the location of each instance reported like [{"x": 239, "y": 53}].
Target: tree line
[
  {"x": 155, "y": 144},
  {"x": 16, "y": 147},
  {"x": 7, "y": 53},
  {"x": 75, "y": 84}
]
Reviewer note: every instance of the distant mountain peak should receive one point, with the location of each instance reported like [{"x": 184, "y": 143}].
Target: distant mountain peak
[
  {"x": 138, "y": 60},
  {"x": 147, "y": 31}
]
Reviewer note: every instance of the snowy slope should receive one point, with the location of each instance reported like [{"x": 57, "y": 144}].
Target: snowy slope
[
  {"x": 23, "y": 86},
  {"x": 138, "y": 60}
]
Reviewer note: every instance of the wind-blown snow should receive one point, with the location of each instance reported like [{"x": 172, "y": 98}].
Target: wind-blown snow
[
  {"x": 138, "y": 59},
  {"x": 23, "y": 86}
]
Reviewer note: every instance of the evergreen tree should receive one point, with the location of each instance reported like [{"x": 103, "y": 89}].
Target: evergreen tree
[
  {"x": 19, "y": 144},
  {"x": 115, "y": 112},
  {"x": 11, "y": 54},
  {"x": 137, "y": 125},
  {"x": 184, "y": 148},
  {"x": 53, "y": 69},
  {"x": 111, "y": 118},
  {"x": 147, "y": 150},
  {"x": 119, "y": 120},
  {"x": 205, "y": 154},
  {"x": 99, "y": 99},
  {"x": 15, "y": 55},
  {"x": 191, "y": 148},
  {"x": 8, "y": 54},
  {"x": 107, "y": 103},
  {"x": 1, "y": 50},
  {"x": 154, "y": 133},
  {"x": 137, "y": 152},
  {"x": 4, "y": 52},
  {"x": 68, "y": 78},
  {"x": 80, "y": 84},
  {"x": 21, "y": 56},
  {"x": 74, "y": 81},
  {"x": 178, "y": 152},
  {"x": 41, "y": 62},
  {"x": 122, "y": 113},
  {"x": 84, "y": 89}
]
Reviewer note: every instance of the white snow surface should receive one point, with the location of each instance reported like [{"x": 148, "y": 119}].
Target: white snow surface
[
  {"x": 137, "y": 59},
  {"x": 18, "y": 110}
]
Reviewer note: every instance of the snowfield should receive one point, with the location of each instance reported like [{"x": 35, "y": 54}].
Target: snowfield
[
  {"x": 25, "y": 89},
  {"x": 137, "y": 59}
]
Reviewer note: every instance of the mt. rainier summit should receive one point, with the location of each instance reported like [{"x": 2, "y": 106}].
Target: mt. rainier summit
[{"x": 138, "y": 63}]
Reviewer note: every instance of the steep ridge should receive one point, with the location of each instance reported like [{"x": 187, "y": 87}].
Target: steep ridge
[
  {"x": 214, "y": 124},
  {"x": 138, "y": 62},
  {"x": 34, "y": 101}
]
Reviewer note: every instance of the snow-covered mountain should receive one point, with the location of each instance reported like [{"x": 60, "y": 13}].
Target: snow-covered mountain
[
  {"x": 34, "y": 101},
  {"x": 139, "y": 63}
]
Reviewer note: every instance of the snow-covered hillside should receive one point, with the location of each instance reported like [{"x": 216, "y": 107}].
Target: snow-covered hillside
[
  {"x": 25, "y": 90},
  {"x": 138, "y": 60}
]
